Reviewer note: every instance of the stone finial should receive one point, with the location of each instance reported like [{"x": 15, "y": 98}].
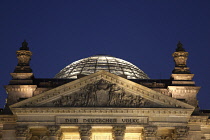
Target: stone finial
[
  {"x": 24, "y": 57},
  {"x": 180, "y": 59},
  {"x": 181, "y": 132},
  {"x": 24, "y": 46},
  {"x": 180, "y": 47}
]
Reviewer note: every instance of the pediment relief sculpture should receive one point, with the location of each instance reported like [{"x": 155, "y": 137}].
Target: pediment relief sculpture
[{"x": 102, "y": 94}]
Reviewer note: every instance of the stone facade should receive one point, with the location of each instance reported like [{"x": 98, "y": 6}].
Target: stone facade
[{"x": 103, "y": 106}]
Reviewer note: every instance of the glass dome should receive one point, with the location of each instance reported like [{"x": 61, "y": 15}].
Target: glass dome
[{"x": 87, "y": 66}]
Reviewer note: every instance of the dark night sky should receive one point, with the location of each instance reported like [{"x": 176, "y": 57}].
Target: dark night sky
[{"x": 143, "y": 32}]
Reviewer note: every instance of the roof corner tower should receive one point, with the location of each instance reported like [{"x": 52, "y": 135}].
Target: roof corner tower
[
  {"x": 21, "y": 86},
  {"x": 182, "y": 86}
]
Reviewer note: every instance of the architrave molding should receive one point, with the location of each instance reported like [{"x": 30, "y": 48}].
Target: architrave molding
[{"x": 106, "y": 111}]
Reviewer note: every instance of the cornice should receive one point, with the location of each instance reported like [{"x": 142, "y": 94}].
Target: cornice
[
  {"x": 189, "y": 88},
  {"x": 7, "y": 118},
  {"x": 20, "y": 76},
  {"x": 20, "y": 87},
  {"x": 199, "y": 120},
  {"x": 104, "y": 111},
  {"x": 182, "y": 76}
]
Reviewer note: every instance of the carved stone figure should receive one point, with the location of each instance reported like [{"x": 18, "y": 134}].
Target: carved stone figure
[{"x": 101, "y": 94}]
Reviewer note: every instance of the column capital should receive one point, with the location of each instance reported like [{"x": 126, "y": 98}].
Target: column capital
[
  {"x": 181, "y": 132},
  {"x": 118, "y": 130},
  {"x": 85, "y": 130},
  {"x": 53, "y": 130},
  {"x": 164, "y": 138},
  {"x": 22, "y": 131},
  {"x": 150, "y": 131}
]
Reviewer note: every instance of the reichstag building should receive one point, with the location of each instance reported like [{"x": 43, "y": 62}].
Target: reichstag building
[{"x": 103, "y": 98}]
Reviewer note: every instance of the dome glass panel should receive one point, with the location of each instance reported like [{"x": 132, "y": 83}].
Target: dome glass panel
[{"x": 87, "y": 66}]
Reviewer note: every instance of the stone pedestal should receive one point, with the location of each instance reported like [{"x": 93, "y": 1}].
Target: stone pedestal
[
  {"x": 181, "y": 133},
  {"x": 149, "y": 133},
  {"x": 54, "y": 132},
  {"x": 118, "y": 132},
  {"x": 85, "y": 132}
]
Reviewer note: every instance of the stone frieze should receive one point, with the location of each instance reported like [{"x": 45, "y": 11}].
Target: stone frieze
[{"x": 103, "y": 94}]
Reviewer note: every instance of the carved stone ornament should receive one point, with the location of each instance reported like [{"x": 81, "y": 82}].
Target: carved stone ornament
[
  {"x": 181, "y": 132},
  {"x": 29, "y": 136},
  {"x": 180, "y": 58},
  {"x": 118, "y": 130},
  {"x": 24, "y": 57},
  {"x": 149, "y": 131},
  {"x": 85, "y": 130},
  {"x": 22, "y": 131},
  {"x": 164, "y": 138},
  {"x": 53, "y": 130},
  {"x": 101, "y": 94}
]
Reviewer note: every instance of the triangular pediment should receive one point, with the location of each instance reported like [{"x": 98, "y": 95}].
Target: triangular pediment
[
  {"x": 102, "y": 89},
  {"x": 101, "y": 93}
]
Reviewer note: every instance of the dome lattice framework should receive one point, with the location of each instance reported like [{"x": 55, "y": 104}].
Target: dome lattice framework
[{"x": 96, "y": 63}]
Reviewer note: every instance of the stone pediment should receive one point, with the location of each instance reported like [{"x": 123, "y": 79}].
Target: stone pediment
[
  {"x": 102, "y": 93},
  {"x": 102, "y": 89}
]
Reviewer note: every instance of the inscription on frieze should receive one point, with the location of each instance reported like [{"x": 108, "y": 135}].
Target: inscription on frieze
[
  {"x": 101, "y": 120},
  {"x": 102, "y": 94}
]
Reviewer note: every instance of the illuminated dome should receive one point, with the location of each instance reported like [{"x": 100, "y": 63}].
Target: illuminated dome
[{"x": 96, "y": 63}]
